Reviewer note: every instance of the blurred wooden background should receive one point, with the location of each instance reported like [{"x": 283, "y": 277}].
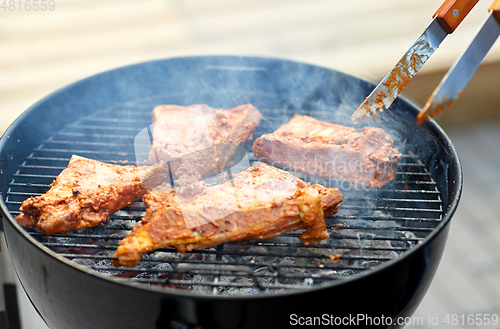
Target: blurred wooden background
[{"x": 41, "y": 51}]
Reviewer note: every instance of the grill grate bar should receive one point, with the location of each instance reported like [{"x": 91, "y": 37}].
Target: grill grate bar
[
  {"x": 215, "y": 284},
  {"x": 383, "y": 228},
  {"x": 96, "y": 144},
  {"x": 41, "y": 167},
  {"x": 28, "y": 185},
  {"x": 39, "y": 158},
  {"x": 416, "y": 190},
  {"x": 24, "y": 193},
  {"x": 80, "y": 151},
  {"x": 293, "y": 245},
  {"x": 395, "y": 218},
  {"x": 114, "y": 121},
  {"x": 83, "y": 135},
  {"x": 209, "y": 271},
  {"x": 412, "y": 165},
  {"x": 416, "y": 182},
  {"x": 35, "y": 176},
  {"x": 196, "y": 264},
  {"x": 106, "y": 127},
  {"x": 399, "y": 172},
  {"x": 392, "y": 208},
  {"x": 368, "y": 199}
]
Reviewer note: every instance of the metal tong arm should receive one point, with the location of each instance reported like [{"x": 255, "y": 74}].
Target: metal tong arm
[{"x": 446, "y": 19}]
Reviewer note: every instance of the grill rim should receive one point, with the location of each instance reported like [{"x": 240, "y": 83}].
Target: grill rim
[{"x": 431, "y": 125}]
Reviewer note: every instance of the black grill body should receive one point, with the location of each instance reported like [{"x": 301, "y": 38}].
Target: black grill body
[{"x": 390, "y": 240}]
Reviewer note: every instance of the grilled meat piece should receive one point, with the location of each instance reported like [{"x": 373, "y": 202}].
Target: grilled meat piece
[
  {"x": 197, "y": 139},
  {"x": 332, "y": 151},
  {"x": 85, "y": 193},
  {"x": 259, "y": 203}
]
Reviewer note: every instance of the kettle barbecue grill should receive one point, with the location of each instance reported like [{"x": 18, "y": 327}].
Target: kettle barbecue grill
[{"x": 384, "y": 247}]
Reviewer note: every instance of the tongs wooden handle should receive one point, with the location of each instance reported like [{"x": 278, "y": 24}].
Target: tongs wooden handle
[
  {"x": 452, "y": 13},
  {"x": 495, "y": 9}
]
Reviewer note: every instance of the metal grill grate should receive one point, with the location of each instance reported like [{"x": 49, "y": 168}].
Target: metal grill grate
[{"x": 371, "y": 227}]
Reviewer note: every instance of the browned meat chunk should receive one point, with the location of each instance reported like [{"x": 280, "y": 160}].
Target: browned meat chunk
[
  {"x": 198, "y": 139},
  {"x": 332, "y": 151},
  {"x": 259, "y": 203},
  {"x": 85, "y": 193}
]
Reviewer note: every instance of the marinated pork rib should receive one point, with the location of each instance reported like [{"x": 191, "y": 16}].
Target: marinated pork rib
[
  {"x": 259, "y": 203},
  {"x": 198, "y": 139},
  {"x": 85, "y": 194},
  {"x": 332, "y": 151}
]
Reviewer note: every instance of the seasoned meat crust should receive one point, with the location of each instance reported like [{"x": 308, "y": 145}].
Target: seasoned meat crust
[
  {"x": 259, "y": 203},
  {"x": 332, "y": 151},
  {"x": 194, "y": 147},
  {"x": 85, "y": 193}
]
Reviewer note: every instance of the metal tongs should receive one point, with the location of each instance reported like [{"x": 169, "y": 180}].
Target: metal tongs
[
  {"x": 446, "y": 20},
  {"x": 465, "y": 66}
]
